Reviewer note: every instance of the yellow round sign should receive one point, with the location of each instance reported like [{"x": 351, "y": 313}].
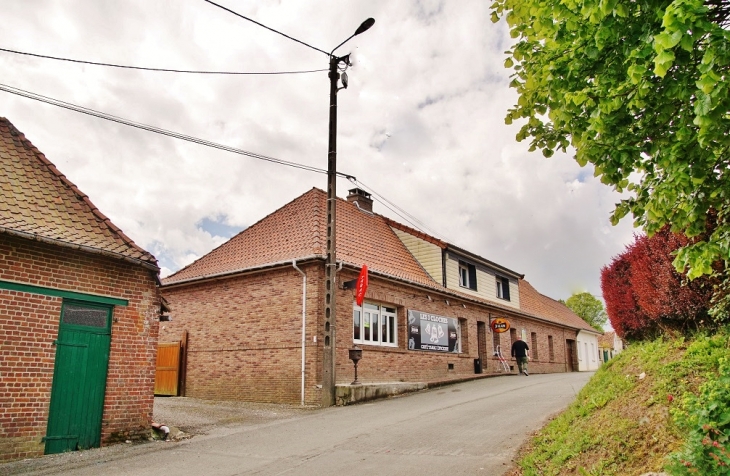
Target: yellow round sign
[{"x": 500, "y": 325}]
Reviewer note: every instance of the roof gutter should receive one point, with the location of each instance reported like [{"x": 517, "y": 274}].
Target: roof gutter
[
  {"x": 240, "y": 271},
  {"x": 74, "y": 246},
  {"x": 485, "y": 261},
  {"x": 508, "y": 311},
  {"x": 353, "y": 266}
]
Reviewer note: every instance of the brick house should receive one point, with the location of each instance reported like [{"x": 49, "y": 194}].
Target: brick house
[
  {"x": 578, "y": 358},
  {"x": 253, "y": 308},
  {"x": 79, "y": 314}
]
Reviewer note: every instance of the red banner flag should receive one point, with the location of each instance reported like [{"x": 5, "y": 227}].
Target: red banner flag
[{"x": 362, "y": 285}]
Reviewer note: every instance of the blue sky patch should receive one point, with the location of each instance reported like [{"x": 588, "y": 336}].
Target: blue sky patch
[{"x": 218, "y": 227}]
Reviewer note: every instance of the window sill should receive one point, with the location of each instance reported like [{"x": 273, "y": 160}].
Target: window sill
[
  {"x": 370, "y": 344},
  {"x": 467, "y": 287}
]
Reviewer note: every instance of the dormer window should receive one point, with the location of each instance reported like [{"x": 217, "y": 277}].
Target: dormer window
[
  {"x": 503, "y": 288},
  {"x": 467, "y": 275}
]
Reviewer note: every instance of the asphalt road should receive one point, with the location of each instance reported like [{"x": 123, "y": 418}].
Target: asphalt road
[{"x": 469, "y": 428}]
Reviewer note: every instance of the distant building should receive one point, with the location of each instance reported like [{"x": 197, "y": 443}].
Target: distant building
[
  {"x": 583, "y": 351},
  {"x": 253, "y": 308},
  {"x": 610, "y": 345},
  {"x": 79, "y": 309}
]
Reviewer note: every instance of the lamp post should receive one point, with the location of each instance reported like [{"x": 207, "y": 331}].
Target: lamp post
[
  {"x": 329, "y": 347},
  {"x": 329, "y": 351}
]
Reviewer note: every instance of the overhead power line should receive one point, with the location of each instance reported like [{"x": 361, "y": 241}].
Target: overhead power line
[
  {"x": 157, "y": 130},
  {"x": 268, "y": 28},
  {"x": 413, "y": 221},
  {"x": 417, "y": 224},
  {"x": 164, "y": 70}
]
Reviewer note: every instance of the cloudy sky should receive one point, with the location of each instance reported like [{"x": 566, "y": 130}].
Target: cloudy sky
[{"x": 421, "y": 124}]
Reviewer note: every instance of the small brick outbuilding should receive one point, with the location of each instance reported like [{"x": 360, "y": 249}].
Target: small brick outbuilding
[
  {"x": 79, "y": 314},
  {"x": 253, "y": 308}
]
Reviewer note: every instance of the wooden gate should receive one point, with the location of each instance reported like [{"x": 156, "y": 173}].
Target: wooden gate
[{"x": 168, "y": 369}]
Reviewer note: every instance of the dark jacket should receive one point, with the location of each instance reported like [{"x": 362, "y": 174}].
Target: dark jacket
[{"x": 519, "y": 349}]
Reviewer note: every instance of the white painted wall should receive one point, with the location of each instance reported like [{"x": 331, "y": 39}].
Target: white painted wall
[{"x": 588, "y": 358}]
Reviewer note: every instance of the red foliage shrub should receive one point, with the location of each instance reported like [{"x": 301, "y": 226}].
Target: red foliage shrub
[
  {"x": 644, "y": 294},
  {"x": 624, "y": 313}
]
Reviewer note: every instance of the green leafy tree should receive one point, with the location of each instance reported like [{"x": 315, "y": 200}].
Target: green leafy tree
[
  {"x": 641, "y": 90},
  {"x": 589, "y": 309}
]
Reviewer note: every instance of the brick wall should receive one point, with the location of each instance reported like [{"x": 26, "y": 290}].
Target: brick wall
[
  {"x": 29, "y": 325},
  {"x": 244, "y": 336}
]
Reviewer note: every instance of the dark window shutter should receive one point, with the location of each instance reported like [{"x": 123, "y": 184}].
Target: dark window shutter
[
  {"x": 472, "y": 277},
  {"x": 505, "y": 288}
]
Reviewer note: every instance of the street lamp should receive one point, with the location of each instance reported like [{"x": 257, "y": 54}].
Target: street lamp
[{"x": 329, "y": 352}]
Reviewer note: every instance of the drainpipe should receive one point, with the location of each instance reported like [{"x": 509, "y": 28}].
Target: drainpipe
[
  {"x": 304, "y": 321},
  {"x": 565, "y": 352}
]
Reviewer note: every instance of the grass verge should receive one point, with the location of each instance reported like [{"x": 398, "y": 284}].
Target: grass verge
[{"x": 637, "y": 409}]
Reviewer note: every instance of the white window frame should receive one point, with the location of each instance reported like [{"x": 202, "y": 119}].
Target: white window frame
[
  {"x": 501, "y": 283},
  {"x": 467, "y": 275},
  {"x": 463, "y": 275},
  {"x": 387, "y": 320}
]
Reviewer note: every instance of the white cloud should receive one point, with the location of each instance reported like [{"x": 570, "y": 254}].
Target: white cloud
[{"x": 421, "y": 123}]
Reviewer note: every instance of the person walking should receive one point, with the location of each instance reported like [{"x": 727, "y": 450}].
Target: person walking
[{"x": 519, "y": 352}]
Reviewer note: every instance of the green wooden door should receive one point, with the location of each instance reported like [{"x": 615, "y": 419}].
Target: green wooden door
[{"x": 79, "y": 377}]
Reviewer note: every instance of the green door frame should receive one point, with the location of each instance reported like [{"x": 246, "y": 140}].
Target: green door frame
[{"x": 79, "y": 376}]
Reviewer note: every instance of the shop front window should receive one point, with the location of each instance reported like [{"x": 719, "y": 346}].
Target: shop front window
[{"x": 374, "y": 324}]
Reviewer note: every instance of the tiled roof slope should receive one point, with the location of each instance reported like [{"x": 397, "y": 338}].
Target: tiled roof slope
[
  {"x": 606, "y": 340},
  {"x": 298, "y": 230},
  {"x": 542, "y": 306},
  {"x": 38, "y": 200}
]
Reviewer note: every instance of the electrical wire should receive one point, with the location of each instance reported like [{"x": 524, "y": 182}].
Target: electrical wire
[
  {"x": 264, "y": 26},
  {"x": 157, "y": 130},
  {"x": 413, "y": 221},
  {"x": 164, "y": 70}
]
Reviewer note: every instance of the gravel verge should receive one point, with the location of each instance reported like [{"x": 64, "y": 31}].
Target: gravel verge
[{"x": 186, "y": 418}]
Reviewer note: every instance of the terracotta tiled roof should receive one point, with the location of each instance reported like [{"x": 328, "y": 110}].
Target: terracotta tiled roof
[
  {"x": 542, "y": 306},
  {"x": 298, "y": 230},
  {"x": 449, "y": 246},
  {"x": 39, "y": 201},
  {"x": 412, "y": 231},
  {"x": 606, "y": 340}
]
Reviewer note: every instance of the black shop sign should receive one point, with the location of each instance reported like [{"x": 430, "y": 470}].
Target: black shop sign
[{"x": 432, "y": 333}]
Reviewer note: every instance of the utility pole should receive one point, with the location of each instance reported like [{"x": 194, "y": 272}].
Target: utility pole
[
  {"x": 329, "y": 352},
  {"x": 329, "y": 346}
]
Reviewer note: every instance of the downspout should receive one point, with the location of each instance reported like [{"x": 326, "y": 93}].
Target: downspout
[
  {"x": 304, "y": 321},
  {"x": 565, "y": 352},
  {"x": 443, "y": 267}
]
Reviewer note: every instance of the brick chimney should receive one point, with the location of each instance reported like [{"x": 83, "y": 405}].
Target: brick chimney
[{"x": 361, "y": 198}]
